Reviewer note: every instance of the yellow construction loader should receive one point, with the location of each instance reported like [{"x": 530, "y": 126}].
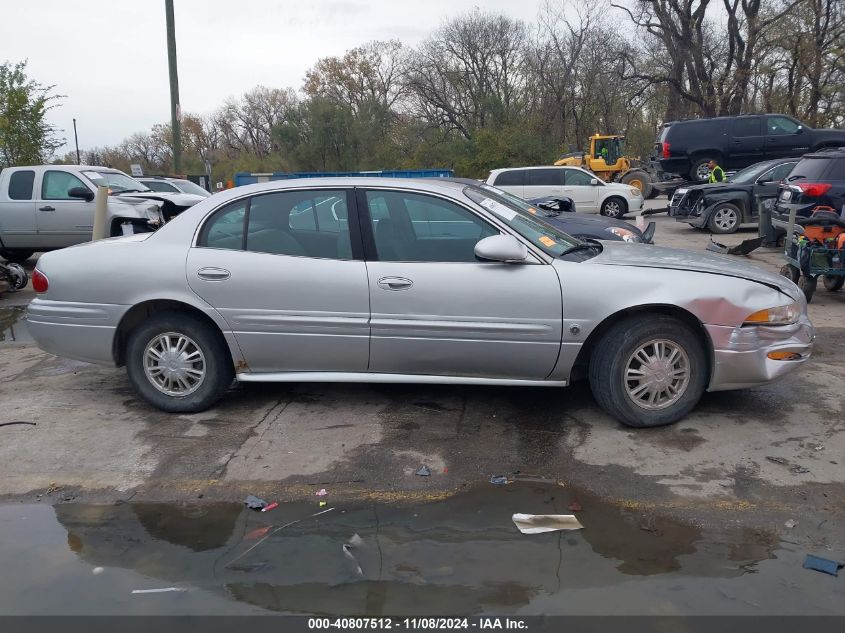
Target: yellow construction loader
[{"x": 607, "y": 160}]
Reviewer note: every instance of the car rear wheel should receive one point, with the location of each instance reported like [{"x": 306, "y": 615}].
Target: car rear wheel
[
  {"x": 833, "y": 283},
  {"x": 648, "y": 370},
  {"x": 699, "y": 171},
  {"x": 614, "y": 207},
  {"x": 724, "y": 219},
  {"x": 178, "y": 363},
  {"x": 15, "y": 256}
]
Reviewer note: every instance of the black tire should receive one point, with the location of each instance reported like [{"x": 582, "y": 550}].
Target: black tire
[
  {"x": 640, "y": 180},
  {"x": 833, "y": 283},
  {"x": 790, "y": 272},
  {"x": 219, "y": 371},
  {"x": 724, "y": 218},
  {"x": 614, "y": 207},
  {"x": 616, "y": 350},
  {"x": 697, "y": 168},
  {"x": 15, "y": 256},
  {"x": 808, "y": 286},
  {"x": 653, "y": 194}
]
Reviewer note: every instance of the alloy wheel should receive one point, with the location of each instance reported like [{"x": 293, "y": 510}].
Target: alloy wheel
[
  {"x": 174, "y": 364},
  {"x": 725, "y": 219},
  {"x": 657, "y": 374}
]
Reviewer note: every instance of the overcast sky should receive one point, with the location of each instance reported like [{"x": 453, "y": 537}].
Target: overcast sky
[{"x": 109, "y": 57}]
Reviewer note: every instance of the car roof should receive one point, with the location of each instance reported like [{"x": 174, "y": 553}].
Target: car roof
[
  {"x": 831, "y": 152},
  {"x": 725, "y": 118},
  {"x": 501, "y": 169},
  {"x": 422, "y": 184}
]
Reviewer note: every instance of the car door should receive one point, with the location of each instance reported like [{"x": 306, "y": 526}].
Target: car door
[
  {"x": 578, "y": 186},
  {"x": 17, "y": 222},
  {"x": 512, "y": 181},
  {"x": 62, "y": 220},
  {"x": 295, "y": 300},
  {"x": 545, "y": 181},
  {"x": 438, "y": 310},
  {"x": 767, "y": 185},
  {"x": 784, "y": 137},
  {"x": 747, "y": 142}
]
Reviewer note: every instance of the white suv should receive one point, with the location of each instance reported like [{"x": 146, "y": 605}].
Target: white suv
[{"x": 589, "y": 193}]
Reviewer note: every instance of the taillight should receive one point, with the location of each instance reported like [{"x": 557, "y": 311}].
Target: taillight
[
  {"x": 665, "y": 149},
  {"x": 40, "y": 283},
  {"x": 814, "y": 189}
]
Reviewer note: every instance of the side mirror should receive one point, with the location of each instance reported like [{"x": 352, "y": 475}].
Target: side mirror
[
  {"x": 594, "y": 181},
  {"x": 81, "y": 192},
  {"x": 800, "y": 129},
  {"x": 501, "y": 248}
]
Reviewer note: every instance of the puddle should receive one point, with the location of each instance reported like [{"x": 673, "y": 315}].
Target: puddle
[
  {"x": 460, "y": 556},
  {"x": 13, "y": 325}
]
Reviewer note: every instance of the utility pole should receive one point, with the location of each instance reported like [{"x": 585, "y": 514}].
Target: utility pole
[
  {"x": 175, "y": 109},
  {"x": 76, "y": 140}
]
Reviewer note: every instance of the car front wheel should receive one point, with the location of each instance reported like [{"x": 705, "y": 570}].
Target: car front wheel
[
  {"x": 613, "y": 208},
  {"x": 724, "y": 219},
  {"x": 178, "y": 363},
  {"x": 648, "y": 370}
]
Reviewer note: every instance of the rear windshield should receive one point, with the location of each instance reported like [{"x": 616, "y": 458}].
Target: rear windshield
[
  {"x": 809, "y": 169},
  {"x": 663, "y": 133}
]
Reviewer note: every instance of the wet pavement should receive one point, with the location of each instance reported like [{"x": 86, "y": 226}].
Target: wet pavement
[{"x": 459, "y": 556}]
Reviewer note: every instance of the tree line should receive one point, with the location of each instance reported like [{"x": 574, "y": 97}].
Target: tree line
[{"x": 485, "y": 90}]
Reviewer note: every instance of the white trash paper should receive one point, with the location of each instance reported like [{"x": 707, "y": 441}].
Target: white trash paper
[{"x": 539, "y": 523}]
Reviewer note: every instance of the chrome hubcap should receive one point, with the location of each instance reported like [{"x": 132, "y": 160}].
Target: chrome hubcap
[
  {"x": 657, "y": 374},
  {"x": 611, "y": 209},
  {"x": 174, "y": 364},
  {"x": 724, "y": 218},
  {"x": 703, "y": 172}
]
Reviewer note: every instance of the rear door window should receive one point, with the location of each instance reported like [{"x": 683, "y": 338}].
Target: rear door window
[
  {"x": 510, "y": 178},
  {"x": 748, "y": 126},
  {"x": 20, "y": 185},
  {"x": 545, "y": 177}
]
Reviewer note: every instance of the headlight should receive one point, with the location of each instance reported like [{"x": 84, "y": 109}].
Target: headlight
[
  {"x": 624, "y": 234},
  {"x": 782, "y": 315},
  {"x": 636, "y": 192}
]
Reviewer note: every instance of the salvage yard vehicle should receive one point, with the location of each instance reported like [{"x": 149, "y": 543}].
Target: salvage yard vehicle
[
  {"x": 735, "y": 142},
  {"x": 262, "y": 283},
  {"x": 723, "y": 207},
  {"x": 590, "y": 194},
  {"x": 172, "y": 185},
  {"x": 606, "y": 159},
  {"x": 46, "y": 207},
  {"x": 817, "y": 180}
]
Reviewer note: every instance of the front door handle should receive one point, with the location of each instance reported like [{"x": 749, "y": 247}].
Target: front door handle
[
  {"x": 213, "y": 274},
  {"x": 394, "y": 283},
  {"x": 47, "y": 208}
]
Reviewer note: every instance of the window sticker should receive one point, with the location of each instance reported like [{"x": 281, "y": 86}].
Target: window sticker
[
  {"x": 545, "y": 239},
  {"x": 499, "y": 209}
]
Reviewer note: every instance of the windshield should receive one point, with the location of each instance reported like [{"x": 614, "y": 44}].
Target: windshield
[
  {"x": 116, "y": 181},
  {"x": 189, "y": 187},
  {"x": 750, "y": 174},
  {"x": 521, "y": 217}
]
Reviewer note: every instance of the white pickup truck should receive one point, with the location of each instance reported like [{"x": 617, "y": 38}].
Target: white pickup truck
[{"x": 47, "y": 207}]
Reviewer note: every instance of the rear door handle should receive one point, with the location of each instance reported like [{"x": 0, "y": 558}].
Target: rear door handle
[
  {"x": 394, "y": 283},
  {"x": 47, "y": 208},
  {"x": 213, "y": 274}
]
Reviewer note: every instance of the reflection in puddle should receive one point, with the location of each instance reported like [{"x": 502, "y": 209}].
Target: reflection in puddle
[
  {"x": 462, "y": 555},
  {"x": 13, "y": 325}
]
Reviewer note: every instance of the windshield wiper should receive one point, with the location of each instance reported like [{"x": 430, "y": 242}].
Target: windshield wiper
[
  {"x": 796, "y": 177},
  {"x": 586, "y": 245}
]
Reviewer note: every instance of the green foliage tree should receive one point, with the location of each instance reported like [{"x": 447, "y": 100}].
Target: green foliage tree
[{"x": 26, "y": 137}]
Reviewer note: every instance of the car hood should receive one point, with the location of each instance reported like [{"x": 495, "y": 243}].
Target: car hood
[
  {"x": 648, "y": 256},
  {"x": 711, "y": 187},
  {"x": 181, "y": 200}
]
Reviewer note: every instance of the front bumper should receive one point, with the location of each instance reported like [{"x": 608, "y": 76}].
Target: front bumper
[
  {"x": 82, "y": 331},
  {"x": 740, "y": 357}
]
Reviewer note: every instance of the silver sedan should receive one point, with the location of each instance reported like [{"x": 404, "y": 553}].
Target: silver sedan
[{"x": 381, "y": 280}]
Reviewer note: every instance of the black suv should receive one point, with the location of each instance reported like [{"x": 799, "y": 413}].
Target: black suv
[
  {"x": 734, "y": 142},
  {"x": 817, "y": 180}
]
